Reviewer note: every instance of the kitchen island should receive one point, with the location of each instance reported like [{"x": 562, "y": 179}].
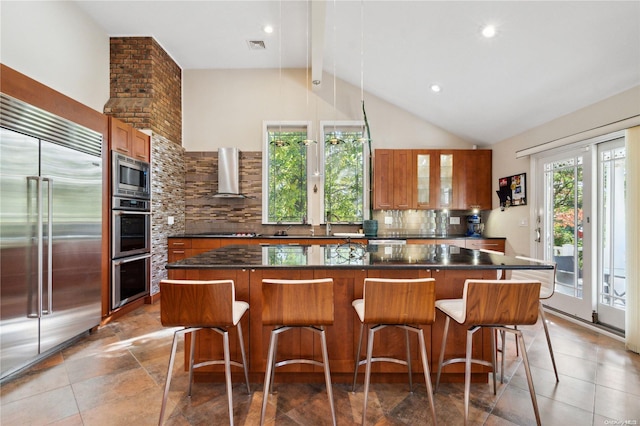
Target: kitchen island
[{"x": 348, "y": 264}]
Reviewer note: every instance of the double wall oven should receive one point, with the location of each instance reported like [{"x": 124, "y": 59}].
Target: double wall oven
[{"x": 131, "y": 230}]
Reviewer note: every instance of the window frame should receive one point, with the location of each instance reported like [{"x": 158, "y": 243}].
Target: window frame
[
  {"x": 266, "y": 126},
  {"x": 337, "y": 124},
  {"x": 315, "y": 169}
]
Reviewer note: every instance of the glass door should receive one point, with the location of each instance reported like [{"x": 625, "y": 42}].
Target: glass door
[
  {"x": 582, "y": 227},
  {"x": 564, "y": 228},
  {"x": 612, "y": 285}
]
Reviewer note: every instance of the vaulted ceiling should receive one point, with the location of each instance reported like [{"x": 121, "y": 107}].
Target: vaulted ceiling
[{"x": 547, "y": 59}]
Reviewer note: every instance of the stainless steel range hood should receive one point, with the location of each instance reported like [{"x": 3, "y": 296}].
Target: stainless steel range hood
[{"x": 229, "y": 173}]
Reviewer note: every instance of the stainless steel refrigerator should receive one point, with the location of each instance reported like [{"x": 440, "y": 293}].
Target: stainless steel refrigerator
[{"x": 50, "y": 233}]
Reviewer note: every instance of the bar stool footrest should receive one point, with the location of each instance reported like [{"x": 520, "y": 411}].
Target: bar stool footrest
[
  {"x": 464, "y": 360},
  {"x": 298, "y": 361}
]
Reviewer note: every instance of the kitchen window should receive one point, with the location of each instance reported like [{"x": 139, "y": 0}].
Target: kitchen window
[
  {"x": 314, "y": 181},
  {"x": 344, "y": 173},
  {"x": 285, "y": 173}
]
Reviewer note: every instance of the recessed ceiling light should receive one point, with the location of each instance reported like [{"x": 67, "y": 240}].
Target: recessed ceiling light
[
  {"x": 268, "y": 29},
  {"x": 435, "y": 88},
  {"x": 489, "y": 31}
]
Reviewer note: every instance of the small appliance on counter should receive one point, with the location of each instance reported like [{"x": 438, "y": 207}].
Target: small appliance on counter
[{"x": 475, "y": 227}]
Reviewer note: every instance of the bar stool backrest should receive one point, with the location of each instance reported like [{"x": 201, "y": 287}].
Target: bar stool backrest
[
  {"x": 500, "y": 302},
  {"x": 395, "y": 301},
  {"x": 546, "y": 276},
  {"x": 192, "y": 303},
  {"x": 297, "y": 302}
]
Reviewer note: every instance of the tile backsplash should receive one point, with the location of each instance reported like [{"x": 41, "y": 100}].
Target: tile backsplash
[{"x": 206, "y": 214}]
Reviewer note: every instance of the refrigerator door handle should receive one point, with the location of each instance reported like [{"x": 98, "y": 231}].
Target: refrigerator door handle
[
  {"x": 49, "y": 309},
  {"x": 38, "y": 213}
]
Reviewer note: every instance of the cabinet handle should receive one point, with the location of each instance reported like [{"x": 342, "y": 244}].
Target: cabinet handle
[
  {"x": 177, "y": 244},
  {"x": 178, "y": 251}
]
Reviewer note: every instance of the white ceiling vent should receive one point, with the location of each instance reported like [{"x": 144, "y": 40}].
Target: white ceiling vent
[{"x": 256, "y": 45}]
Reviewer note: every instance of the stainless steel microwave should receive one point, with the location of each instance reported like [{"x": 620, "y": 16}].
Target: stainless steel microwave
[{"x": 131, "y": 177}]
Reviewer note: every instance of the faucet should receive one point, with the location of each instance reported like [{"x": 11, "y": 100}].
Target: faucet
[
  {"x": 328, "y": 222},
  {"x": 283, "y": 232}
]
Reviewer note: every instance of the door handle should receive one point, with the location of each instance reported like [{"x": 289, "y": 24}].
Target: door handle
[
  {"x": 35, "y": 217},
  {"x": 538, "y": 236},
  {"x": 49, "y": 182}
]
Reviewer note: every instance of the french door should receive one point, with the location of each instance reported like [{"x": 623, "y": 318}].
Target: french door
[
  {"x": 581, "y": 227},
  {"x": 611, "y": 277},
  {"x": 565, "y": 228}
]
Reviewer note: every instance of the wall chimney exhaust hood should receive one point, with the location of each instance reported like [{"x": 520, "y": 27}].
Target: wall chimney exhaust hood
[{"x": 229, "y": 173}]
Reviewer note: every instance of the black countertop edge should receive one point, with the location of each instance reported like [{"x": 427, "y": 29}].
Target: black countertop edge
[
  {"x": 394, "y": 266},
  {"x": 355, "y": 239}
]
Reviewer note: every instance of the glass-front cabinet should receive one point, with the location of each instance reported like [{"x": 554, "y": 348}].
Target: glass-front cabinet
[
  {"x": 456, "y": 179},
  {"x": 446, "y": 189},
  {"x": 423, "y": 175},
  {"x": 436, "y": 186}
]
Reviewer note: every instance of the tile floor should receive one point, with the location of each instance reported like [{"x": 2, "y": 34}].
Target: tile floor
[{"x": 115, "y": 377}]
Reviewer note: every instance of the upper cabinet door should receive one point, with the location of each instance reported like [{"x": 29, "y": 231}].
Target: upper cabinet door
[
  {"x": 426, "y": 171},
  {"x": 393, "y": 179},
  {"x": 383, "y": 179},
  {"x": 403, "y": 179},
  {"x": 448, "y": 187},
  {"x": 129, "y": 141},
  {"x": 477, "y": 180},
  {"x": 120, "y": 136},
  {"x": 140, "y": 145}
]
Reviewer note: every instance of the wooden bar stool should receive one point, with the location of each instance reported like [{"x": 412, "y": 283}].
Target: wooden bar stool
[
  {"x": 196, "y": 305},
  {"x": 402, "y": 303},
  {"x": 291, "y": 304},
  {"x": 491, "y": 303}
]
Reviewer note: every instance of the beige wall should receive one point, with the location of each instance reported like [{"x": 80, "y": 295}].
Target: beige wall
[
  {"x": 58, "y": 45},
  {"x": 507, "y": 223},
  {"x": 228, "y": 107}
]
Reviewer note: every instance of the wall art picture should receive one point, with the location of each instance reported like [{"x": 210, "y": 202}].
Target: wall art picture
[{"x": 512, "y": 190}]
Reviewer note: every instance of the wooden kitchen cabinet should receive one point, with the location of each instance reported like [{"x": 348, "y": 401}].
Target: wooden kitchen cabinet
[
  {"x": 178, "y": 249},
  {"x": 439, "y": 179},
  {"x": 393, "y": 177},
  {"x": 495, "y": 244},
  {"x": 451, "y": 179},
  {"x": 477, "y": 167},
  {"x": 460, "y": 242},
  {"x": 129, "y": 141},
  {"x": 181, "y": 248}
]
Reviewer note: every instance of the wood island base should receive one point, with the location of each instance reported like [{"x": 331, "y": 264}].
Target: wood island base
[{"x": 343, "y": 335}]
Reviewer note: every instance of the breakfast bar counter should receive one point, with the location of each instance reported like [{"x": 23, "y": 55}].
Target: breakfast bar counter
[{"x": 348, "y": 265}]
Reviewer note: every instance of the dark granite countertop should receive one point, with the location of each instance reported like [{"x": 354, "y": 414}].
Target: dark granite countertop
[
  {"x": 351, "y": 255},
  {"x": 337, "y": 237}
]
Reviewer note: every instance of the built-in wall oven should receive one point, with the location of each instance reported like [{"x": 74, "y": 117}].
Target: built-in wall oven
[
  {"x": 130, "y": 250},
  {"x": 130, "y": 279},
  {"x": 131, "y": 225}
]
